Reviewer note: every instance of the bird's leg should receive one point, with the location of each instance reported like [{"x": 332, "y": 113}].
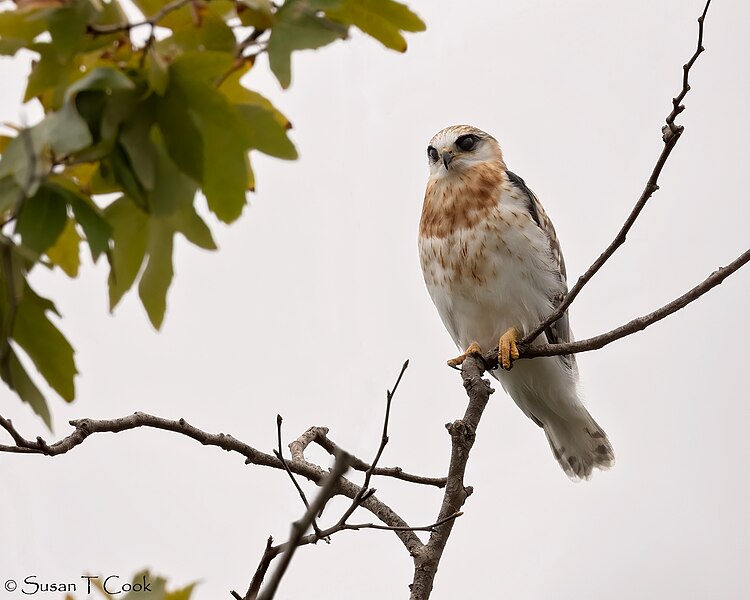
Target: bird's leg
[
  {"x": 472, "y": 349},
  {"x": 507, "y": 349}
]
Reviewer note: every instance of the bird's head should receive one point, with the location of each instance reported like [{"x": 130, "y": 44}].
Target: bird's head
[{"x": 459, "y": 148}]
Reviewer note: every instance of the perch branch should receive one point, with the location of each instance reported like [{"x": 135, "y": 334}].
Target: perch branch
[
  {"x": 671, "y": 135},
  {"x": 463, "y": 434},
  {"x": 637, "y": 324}
]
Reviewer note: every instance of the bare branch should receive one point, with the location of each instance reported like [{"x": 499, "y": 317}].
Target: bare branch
[
  {"x": 280, "y": 456},
  {"x": 269, "y": 554},
  {"x": 365, "y": 489},
  {"x": 85, "y": 427},
  {"x": 637, "y": 324},
  {"x": 430, "y": 528},
  {"x": 671, "y": 134},
  {"x": 319, "y": 435},
  {"x": 300, "y": 527},
  {"x": 321, "y": 438},
  {"x": 463, "y": 434}
]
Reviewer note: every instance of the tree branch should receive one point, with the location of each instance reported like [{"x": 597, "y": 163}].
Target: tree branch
[
  {"x": 463, "y": 434},
  {"x": 299, "y": 528},
  {"x": 85, "y": 427},
  {"x": 637, "y": 324},
  {"x": 671, "y": 135},
  {"x": 280, "y": 456}
]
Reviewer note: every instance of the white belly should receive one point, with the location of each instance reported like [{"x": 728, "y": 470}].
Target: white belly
[{"x": 490, "y": 278}]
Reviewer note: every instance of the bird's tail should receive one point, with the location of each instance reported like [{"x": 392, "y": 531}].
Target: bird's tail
[{"x": 579, "y": 445}]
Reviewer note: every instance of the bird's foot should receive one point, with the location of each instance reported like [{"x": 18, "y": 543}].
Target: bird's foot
[
  {"x": 507, "y": 349},
  {"x": 472, "y": 349}
]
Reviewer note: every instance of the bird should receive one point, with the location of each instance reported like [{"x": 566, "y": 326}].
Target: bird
[{"x": 494, "y": 269}]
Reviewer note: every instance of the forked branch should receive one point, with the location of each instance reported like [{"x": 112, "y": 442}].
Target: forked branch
[{"x": 671, "y": 135}]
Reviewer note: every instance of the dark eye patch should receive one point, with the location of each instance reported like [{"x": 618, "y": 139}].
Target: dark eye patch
[
  {"x": 432, "y": 153},
  {"x": 466, "y": 142}
]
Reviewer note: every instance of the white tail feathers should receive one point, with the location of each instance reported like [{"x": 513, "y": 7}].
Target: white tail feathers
[{"x": 579, "y": 445}]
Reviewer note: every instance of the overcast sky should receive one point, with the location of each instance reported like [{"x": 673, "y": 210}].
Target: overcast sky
[{"x": 322, "y": 270}]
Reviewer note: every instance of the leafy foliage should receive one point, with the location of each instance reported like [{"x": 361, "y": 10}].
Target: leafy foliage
[{"x": 136, "y": 131}]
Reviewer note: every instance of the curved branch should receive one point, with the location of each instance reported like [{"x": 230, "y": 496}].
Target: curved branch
[
  {"x": 637, "y": 324},
  {"x": 671, "y": 135},
  {"x": 85, "y": 427}
]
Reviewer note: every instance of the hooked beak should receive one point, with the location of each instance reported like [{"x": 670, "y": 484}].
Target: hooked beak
[{"x": 447, "y": 158}]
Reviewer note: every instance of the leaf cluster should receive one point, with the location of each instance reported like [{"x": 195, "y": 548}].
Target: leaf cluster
[{"x": 144, "y": 117}]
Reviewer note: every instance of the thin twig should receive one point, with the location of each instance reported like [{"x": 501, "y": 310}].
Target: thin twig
[
  {"x": 299, "y": 528},
  {"x": 430, "y": 528},
  {"x": 269, "y": 554},
  {"x": 320, "y": 437},
  {"x": 671, "y": 135},
  {"x": 365, "y": 489},
  {"x": 280, "y": 456},
  {"x": 272, "y": 551},
  {"x": 637, "y": 324}
]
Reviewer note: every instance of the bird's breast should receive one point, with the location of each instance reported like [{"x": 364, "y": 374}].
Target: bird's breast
[{"x": 489, "y": 277}]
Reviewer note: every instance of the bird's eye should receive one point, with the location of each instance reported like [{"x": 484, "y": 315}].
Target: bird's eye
[
  {"x": 432, "y": 153},
  {"x": 466, "y": 142}
]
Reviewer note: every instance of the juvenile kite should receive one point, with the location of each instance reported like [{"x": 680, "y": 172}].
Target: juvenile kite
[{"x": 494, "y": 269}]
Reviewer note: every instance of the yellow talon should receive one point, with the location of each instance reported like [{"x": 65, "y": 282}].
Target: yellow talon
[
  {"x": 472, "y": 349},
  {"x": 508, "y": 351}
]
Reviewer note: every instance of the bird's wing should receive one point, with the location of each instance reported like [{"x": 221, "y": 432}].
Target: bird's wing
[{"x": 559, "y": 331}]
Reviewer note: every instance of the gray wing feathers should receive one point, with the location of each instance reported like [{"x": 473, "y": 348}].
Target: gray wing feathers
[{"x": 558, "y": 332}]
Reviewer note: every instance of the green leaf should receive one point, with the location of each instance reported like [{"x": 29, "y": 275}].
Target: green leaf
[
  {"x": 212, "y": 34},
  {"x": 224, "y": 174},
  {"x": 42, "y": 219},
  {"x": 157, "y": 71},
  {"x": 255, "y": 13},
  {"x": 18, "y": 380},
  {"x": 181, "y": 594},
  {"x": 173, "y": 190},
  {"x": 382, "y": 19},
  {"x": 18, "y": 29},
  {"x": 102, "y": 79},
  {"x": 96, "y": 228},
  {"x": 10, "y": 194},
  {"x": 135, "y": 138},
  {"x": 265, "y": 133},
  {"x": 65, "y": 251},
  {"x": 88, "y": 215},
  {"x": 299, "y": 27},
  {"x": 65, "y": 131},
  {"x": 50, "y": 352},
  {"x": 130, "y": 240},
  {"x": 124, "y": 175},
  {"x": 181, "y": 133},
  {"x": 27, "y": 155},
  {"x": 49, "y": 76},
  {"x": 195, "y": 230},
  {"x": 201, "y": 67},
  {"x": 158, "y": 273},
  {"x": 67, "y": 26}
]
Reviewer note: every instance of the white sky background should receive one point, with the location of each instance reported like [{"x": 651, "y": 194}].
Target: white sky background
[{"x": 316, "y": 298}]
